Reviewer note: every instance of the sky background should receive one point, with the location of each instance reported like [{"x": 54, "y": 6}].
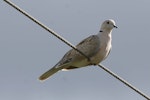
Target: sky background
[{"x": 27, "y": 50}]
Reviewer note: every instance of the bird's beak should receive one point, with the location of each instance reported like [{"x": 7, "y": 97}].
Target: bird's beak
[{"x": 115, "y": 26}]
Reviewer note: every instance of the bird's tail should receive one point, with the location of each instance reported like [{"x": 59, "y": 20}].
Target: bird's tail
[{"x": 49, "y": 73}]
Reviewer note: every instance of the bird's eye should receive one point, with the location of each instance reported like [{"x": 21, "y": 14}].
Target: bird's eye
[{"x": 107, "y": 22}]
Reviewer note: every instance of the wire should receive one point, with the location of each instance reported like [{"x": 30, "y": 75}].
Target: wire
[
  {"x": 69, "y": 44},
  {"x": 45, "y": 27},
  {"x": 125, "y": 82}
]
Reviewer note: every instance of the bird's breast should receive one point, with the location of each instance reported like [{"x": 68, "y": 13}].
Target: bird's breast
[{"x": 102, "y": 52}]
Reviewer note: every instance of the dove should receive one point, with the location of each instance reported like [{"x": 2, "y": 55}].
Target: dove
[{"x": 95, "y": 47}]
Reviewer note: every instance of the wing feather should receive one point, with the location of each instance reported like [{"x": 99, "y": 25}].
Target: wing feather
[{"x": 88, "y": 46}]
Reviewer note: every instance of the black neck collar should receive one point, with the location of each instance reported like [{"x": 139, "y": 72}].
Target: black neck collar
[{"x": 100, "y": 31}]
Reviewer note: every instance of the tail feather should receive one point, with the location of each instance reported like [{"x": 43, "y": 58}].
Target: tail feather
[{"x": 49, "y": 73}]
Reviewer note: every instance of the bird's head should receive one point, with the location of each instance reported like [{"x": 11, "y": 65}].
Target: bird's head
[{"x": 108, "y": 25}]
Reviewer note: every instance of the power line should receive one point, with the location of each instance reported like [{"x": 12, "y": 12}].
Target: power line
[
  {"x": 69, "y": 44},
  {"x": 125, "y": 82}
]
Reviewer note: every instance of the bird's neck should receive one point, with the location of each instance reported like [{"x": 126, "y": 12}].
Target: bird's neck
[
  {"x": 105, "y": 38},
  {"x": 104, "y": 33}
]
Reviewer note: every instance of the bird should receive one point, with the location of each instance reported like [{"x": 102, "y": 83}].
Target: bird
[{"x": 96, "y": 47}]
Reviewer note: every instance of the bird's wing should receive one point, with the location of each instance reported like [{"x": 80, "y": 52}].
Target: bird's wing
[{"x": 88, "y": 46}]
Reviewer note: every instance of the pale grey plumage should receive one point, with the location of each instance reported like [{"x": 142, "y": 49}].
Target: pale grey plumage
[{"x": 96, "y": 47}]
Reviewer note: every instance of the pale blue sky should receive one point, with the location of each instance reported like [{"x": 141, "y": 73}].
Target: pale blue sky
[{"x": 26, "y": 50}]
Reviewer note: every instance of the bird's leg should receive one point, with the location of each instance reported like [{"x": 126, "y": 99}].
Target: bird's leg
[
  {"x": 94, "y": 64},
  {"x": 88, "y": 59},
  {"x": 91, "y": 63}
]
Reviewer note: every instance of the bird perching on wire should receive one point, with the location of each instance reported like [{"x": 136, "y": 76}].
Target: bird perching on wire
[{"x": 95, "y": 47}]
